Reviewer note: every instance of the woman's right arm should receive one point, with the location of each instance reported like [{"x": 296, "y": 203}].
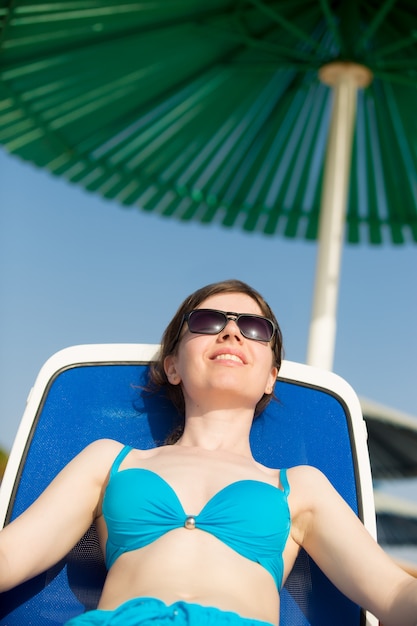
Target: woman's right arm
[{"x": 53, "y": 524}]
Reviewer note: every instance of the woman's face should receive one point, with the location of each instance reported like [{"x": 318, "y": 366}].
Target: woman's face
[{"x": 226, "y": 369}]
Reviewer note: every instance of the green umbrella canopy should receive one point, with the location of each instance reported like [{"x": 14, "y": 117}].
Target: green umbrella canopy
[
  {"x": 214, "y": 111},
  {"x": 221, "y": 112}
]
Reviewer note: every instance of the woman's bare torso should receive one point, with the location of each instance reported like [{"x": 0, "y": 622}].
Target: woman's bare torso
[{"x": 194, "y": 565}]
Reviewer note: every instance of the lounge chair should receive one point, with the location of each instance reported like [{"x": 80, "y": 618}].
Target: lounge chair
[{"x": 88, "y": 392}]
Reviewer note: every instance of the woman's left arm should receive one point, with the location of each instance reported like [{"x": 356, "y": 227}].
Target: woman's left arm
[{"x": 344, "y": 550}]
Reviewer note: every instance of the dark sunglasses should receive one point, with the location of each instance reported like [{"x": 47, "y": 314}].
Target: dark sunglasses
[{"x": 212, "y": 322}]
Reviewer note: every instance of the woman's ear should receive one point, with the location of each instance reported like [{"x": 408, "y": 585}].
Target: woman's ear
[
  {"x": 269, "y": 387},
  {"x": 170, "y": 367}
]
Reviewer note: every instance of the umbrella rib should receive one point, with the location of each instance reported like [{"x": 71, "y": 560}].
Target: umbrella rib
[
  {"x": 377, "y": 20},
  {"x": 378, "y": 212},
  {"x": 397, "y": 64},
  {"x": 78, "y": 15},
  {"x": 391, "y": 77},
  {"x": 113, "y": 36},
  {"x": 133, "y": 121},
  {"x": 38, "y": 129},
  {"x": 395, "y": 46},
  {"x": 291, "y": 55},
  {"x": 258, "y": 113},
  {"x": 75, "y": 14},
  {"x": 402, "y": 139},
  {"x": 160, "y": 111},
  {"x": 330, "y": 19},
  {"x": 282, "y": 21},
  {"x": 5, "y": 24}
]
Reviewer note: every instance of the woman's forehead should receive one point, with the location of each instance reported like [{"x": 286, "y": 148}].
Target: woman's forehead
[{"x": 235, "y": 302}]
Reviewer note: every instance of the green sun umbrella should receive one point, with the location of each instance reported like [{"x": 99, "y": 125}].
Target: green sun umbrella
[{"x": 222, "y": 112}]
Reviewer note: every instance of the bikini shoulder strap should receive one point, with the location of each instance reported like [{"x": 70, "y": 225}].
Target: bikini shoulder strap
[
  {"x": 283, "y": 478},
  {"x": 119, "y": 458}
]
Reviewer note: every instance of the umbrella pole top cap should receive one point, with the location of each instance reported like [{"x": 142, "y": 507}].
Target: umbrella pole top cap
[{"x": 337, "y": 72}]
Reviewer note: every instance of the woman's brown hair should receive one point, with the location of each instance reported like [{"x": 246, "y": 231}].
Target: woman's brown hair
[{"x": 169, "y": 343}]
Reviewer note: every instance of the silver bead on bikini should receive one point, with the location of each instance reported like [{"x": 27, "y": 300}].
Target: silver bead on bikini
[{"x": 189, "y": 523}]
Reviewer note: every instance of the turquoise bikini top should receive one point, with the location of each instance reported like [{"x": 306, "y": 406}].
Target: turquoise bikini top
[{"x": 250, "y": 516}]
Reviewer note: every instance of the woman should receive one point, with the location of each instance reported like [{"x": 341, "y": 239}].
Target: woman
[{"x": 181, "y": 542}]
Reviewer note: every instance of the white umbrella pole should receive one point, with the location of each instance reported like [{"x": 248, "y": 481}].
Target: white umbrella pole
[{"x": 345, "y": 78}]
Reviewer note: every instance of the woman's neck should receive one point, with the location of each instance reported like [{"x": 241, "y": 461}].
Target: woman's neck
[{"x": 218, "y": 430}]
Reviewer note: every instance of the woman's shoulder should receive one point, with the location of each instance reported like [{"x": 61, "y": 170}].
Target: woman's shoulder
[
  {"x": 108, "y": 449},
  {"x": 110, "y": 446},
  {"x": 307, "y": 483},
  {"x": 95, "y": 459},
  {"x": 305, "y": 473},
  {"x": 101, "y": 447}
]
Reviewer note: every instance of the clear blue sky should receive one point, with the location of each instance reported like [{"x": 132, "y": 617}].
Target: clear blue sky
[{"x": 76, "y": 269}]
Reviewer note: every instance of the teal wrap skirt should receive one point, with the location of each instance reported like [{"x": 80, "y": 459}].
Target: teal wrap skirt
[{"x": 153, "y": 612}]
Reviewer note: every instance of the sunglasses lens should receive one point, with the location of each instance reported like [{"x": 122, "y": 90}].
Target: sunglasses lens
[
  {"x": 206, "y": 322},
  {"x": 211, "y": 322},
  {"x": 257, "y": 328}
]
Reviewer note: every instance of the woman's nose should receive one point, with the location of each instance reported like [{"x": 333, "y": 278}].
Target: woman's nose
[{"x": 231, "y": 329}]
